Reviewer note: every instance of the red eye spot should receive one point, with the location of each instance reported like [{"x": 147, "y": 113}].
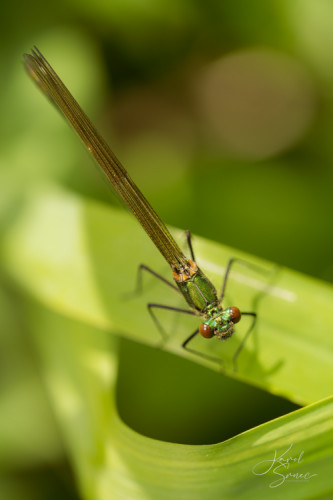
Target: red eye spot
[
  {"x": 235, "y": 314},
  {"x": 206, "y": 331}
]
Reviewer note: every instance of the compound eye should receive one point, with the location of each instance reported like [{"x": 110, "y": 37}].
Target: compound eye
[
  {"x": 235, "y": 314},
  {"x": 206, "y": 331}
]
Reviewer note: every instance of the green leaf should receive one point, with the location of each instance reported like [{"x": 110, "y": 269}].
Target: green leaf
[
  {"x": 80, "y": 366},
  {"x": 80, "y": 258}
]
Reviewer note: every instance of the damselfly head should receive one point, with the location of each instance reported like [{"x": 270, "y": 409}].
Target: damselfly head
[{"x": 221, "y": 325}]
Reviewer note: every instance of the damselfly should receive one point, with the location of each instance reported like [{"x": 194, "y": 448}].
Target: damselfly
[{"x": 190, "y": 281}]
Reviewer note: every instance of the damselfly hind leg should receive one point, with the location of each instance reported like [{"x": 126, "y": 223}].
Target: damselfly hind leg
[
  {"x": 152, "y": 306},
  {"x": 189, "y": 243},
  {"x": 143, "y": 267}
]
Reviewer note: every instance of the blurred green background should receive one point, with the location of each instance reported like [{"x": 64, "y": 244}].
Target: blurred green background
[{"x": 219, "y": 110}]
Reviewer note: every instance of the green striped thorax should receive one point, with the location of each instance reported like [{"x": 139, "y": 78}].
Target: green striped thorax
[{"x": 200, "y": 294}]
